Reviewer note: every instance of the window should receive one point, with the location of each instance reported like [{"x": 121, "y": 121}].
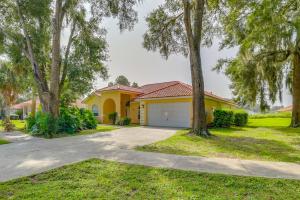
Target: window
[{"x": 95, "y": 110}]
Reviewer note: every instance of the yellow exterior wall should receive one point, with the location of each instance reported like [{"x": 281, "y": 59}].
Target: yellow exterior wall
[
  {"x": 210, "y": 106},
  {"x": 134, "y": 112},
  {"x": 121, "y": 98}
]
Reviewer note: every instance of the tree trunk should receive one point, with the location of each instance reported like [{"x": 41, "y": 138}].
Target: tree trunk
[
  {"x": 56, "y": 61},
  {"x": 296, "y": 92},
  {"x": 199, "y": 126}
]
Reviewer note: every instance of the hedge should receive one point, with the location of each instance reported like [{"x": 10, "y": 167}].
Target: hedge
[
  {"x": 240, "y": 118},
  {"x": 223, "y": 118}
]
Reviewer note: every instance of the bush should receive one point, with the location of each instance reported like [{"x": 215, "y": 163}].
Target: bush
[
  {"x": 125, "y": 121},
  {"x": 223, "y": 118},
  {"x": 71, "y": 120},
  {"x": 113, "y": 117},
  {"x": 88, "y": 119},
  {"x": 30, "y": 122},
  {"x": 45, "y": 124},
  {"x": 240, "y": 118}
]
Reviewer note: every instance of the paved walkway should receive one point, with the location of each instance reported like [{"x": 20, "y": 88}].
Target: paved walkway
[{"x": 34, "y": 155}]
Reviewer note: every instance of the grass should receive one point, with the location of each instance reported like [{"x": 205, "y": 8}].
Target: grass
[
  {"x": 19, "y": 125},
  {"x": 100, "y": 128},
  {"x": 267, "y": 139},
  {"x": 272, "y": 115},
  {"x": 97, "y": 179},
  {"x": 3, "y": 141}
]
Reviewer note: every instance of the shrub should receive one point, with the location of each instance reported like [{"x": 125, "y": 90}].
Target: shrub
[
  {"x": 69, "y": 120},
  {"x": 30, "y": 122},
  {"x": 223, "y": 118},
  {"x": 125, "y": 121},
  {"x": 88, "y": 119},
  {"x": 45, "y": 124},
  {"x": 240, "y": 118},
  {"x": 113, "y": 117}
]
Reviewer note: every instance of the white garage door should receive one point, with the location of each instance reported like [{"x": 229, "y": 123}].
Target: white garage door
[{"x": 169, "y": 114}]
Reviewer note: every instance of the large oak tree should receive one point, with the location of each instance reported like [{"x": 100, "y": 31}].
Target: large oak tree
[
  {"x": 268, "y": 34},
  {"x": 181, "y": 26},
  {"x": 33, "y": 29}
]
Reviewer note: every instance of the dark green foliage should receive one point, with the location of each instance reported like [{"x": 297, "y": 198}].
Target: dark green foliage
[
  {"x": 113, "y": 117},
  {"x": 45, "y": 125},
  {"x": 88, "y": 119},
  {"x": 223, "y": 118},
  {"x": 240, "y": 118},
  {"x": 19, "y": 113},
  {"x": 71, "y": 120},
  {"x": 30, "y": 122},
  {"x": 124, "y": 121}
]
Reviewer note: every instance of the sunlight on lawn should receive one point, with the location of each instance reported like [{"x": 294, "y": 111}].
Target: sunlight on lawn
[
  {"x": 97, "y": 179},
  {"x": 263, "y": 139},
  {"x": 19, "y": 124},
  {"x": 100, "y": 128}
]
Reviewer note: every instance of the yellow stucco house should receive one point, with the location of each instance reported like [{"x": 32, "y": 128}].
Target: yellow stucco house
[{"x": 166, "y": 104}]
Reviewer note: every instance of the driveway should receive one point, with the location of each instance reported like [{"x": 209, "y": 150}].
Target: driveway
[
  {"x": 34, "y": 155},
  {"x": 28, "y": 155}
]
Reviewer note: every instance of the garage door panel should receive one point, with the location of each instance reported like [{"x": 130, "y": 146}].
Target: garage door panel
[{"x": 169, "y": 114}]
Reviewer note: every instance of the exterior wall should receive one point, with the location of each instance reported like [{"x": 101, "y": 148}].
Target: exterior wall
[
  {"x": 134, "y": 112},
  {"x": 95, "y": 100},
  {"x": 120, "y": 99},
  {"x": 210, "y": 106}
]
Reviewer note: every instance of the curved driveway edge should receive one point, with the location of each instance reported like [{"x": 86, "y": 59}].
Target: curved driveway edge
[{"x": 29, "y": 157}]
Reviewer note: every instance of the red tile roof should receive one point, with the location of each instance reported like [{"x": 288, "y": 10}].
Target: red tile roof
[
  {"x": 161, "y": 90},
  {"x": 170, "y": 89},
  {"x": 23, "y": 104},
  {"x": 121, "y": 87}
]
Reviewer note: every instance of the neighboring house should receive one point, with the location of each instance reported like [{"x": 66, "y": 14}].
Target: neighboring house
[
  {"x": 286, "y": 109},
  {"x": 161, "y": 104},
  {"x": 26, "y": 106}
]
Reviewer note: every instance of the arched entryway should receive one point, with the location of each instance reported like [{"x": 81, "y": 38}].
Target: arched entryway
[{"x": 109, "y": 107}]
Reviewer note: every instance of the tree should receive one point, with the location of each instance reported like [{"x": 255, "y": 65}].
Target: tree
[
  {"x": 12, "y": 83},
  {"x": 268, "y": 34},
  {"x": 33, "y": 29},
  {"x": 135, "y": 85},
  {"x": 179, "y": 26},
  {"x": 122, "y": 80}
]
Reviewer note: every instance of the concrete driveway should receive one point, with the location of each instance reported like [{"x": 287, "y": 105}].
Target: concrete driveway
[{"x": 28, "y": 155}]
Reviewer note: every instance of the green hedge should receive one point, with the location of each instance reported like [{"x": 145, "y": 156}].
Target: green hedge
[
  {"x": 223, "y": 118},
  {"x": 240, "y": 118}
]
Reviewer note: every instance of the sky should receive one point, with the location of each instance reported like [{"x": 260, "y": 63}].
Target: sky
[{"x": 128, "y": 57}]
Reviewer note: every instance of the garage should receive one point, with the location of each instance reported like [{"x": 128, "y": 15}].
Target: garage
[{"x": 169, "y": 114}]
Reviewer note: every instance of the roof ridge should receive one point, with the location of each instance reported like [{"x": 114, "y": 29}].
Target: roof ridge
[
  {"x": 160, "y": 83},
  {"x": 175, "y": 83}
]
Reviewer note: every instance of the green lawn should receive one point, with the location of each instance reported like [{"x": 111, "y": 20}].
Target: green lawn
[
  {"x": 264, "y": 139},
  {"x": 96, "y": 179},
  {"x": 19, "y": 124},
  {"x": 3, "y": 141},
  {"x": 100, "y": 128}
]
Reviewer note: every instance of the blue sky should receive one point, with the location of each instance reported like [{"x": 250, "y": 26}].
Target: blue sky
[{"x": 129, "y": 58}]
